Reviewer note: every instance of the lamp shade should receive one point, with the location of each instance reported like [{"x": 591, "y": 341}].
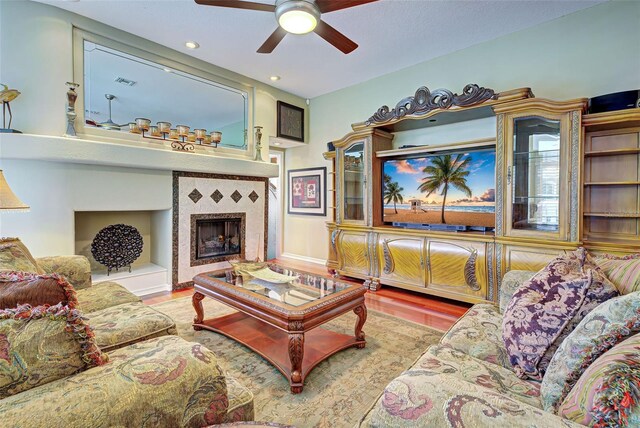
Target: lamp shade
[{"x": 8, "y": 200}]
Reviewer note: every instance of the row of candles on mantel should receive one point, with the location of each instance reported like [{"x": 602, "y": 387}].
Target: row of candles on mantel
[{"x": 180, "y": 133}]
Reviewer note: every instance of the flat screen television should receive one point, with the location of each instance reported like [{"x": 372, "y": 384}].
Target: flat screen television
[{"x": 444, "y": 190}]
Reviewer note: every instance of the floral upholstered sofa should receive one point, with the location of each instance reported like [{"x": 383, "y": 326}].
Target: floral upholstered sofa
[
  {"x": 108, "y": 361},
  {"x": 467, "y": 380}
]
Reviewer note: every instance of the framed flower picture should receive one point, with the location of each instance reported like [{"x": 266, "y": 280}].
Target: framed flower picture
[
  {"x": 290, "y": 122},
  {"x": 307, "y": 191}
]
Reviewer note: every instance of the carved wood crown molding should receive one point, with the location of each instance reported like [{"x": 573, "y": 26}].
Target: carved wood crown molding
[{"x": 424, "y": 101}]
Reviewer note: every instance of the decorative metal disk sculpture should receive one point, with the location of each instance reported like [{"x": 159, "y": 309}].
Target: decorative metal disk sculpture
[{"x": 116, "y": 246}]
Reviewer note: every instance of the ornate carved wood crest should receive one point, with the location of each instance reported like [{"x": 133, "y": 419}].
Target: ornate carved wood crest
[{"x": 425, "y": 101}]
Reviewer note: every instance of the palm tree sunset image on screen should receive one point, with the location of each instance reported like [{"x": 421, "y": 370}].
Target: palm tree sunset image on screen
[
  {"x": 393, "y": 192},
  {"x": 453, "y": 187},
  {"x": 446, "y": 171}
]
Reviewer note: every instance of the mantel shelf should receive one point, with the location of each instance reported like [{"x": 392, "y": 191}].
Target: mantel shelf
[{"x": 142, "y": 155}]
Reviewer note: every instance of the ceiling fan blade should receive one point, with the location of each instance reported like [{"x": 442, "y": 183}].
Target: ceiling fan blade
[
  {"x": 274, "y": 39},
  {"x": 331, "y": 5},
  {"x": 335, "y": 37},
  {"x": 236, "y": 4}
]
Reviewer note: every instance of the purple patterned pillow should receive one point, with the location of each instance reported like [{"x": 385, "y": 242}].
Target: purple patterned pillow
[{"x": 544, "y": 310}]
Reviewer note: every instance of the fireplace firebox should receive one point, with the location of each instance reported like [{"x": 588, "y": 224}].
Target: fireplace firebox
[{"x": 217, "y": 237}]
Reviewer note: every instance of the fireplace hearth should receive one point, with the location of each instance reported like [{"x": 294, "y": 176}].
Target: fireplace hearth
[{"x": 217, "y": 237}]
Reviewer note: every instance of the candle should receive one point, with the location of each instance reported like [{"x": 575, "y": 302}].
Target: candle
[
  {"x": 183, "y": 130},
  {"x": 133, "y": 128},
  {"x": 216, "y": 137},
  {"x": 164, "y": 127},
  {"x": 143, "y": 123},
  {"x": 200, "y": 134},
  {"x": 173, "y": 134}
]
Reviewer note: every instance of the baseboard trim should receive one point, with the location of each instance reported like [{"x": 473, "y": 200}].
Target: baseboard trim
[
  {"x": 303, "y": 258},
  {"x": 151, "y": 290}
]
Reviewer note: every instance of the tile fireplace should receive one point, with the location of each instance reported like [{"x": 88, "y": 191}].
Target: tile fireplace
[
  {"x": 217, "y": 237},
  {"x": 216, "y": 218}
]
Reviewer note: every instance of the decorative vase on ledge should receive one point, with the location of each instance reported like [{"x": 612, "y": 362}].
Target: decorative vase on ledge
[
  {"x": 72, "y": 96},
  {"x": 258, "y": 156}
]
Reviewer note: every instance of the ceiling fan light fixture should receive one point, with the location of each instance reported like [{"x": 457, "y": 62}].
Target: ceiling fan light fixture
[{"x": 297, "y": 16}]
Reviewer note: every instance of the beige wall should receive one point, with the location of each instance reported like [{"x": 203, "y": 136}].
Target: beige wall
[{"x": 592, "y": 52}]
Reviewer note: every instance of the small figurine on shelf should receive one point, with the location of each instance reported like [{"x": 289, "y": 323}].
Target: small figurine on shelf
[
  {"x": 72, "y": 96},
  {"x": 6, "y": 96},
  {"x": 258, "y": 144}
]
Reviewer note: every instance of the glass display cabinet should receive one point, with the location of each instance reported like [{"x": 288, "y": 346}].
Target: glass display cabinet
[
  {"x": 535, "y": 174},
  {"x": 540, "y": 175},
  {"x": 354, "y": 182}
]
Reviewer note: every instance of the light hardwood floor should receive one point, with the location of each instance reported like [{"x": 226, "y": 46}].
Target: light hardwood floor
[{"x": 432, "y": 312}]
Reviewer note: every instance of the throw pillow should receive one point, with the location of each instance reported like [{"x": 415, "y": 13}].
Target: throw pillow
[
  {"x": 18, "y": 288},
  {"x": 608, "y": 392},
  {"x": 41, "y": 344},
  {"x": 14, "y": 255},
  {"x": 544, "y": 310},
  {"x": 604, "y": 327},
  {"x": 624, "y": 271}
]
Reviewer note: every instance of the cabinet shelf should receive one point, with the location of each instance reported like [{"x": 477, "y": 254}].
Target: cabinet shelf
[
  {"x": 537, "y": 197},
  {"x": 615, "y": 152},
  {"x": 612, "y": 183},
  {"x": 613, "y": 215}
]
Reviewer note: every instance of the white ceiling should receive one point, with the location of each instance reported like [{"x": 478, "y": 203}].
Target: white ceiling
[{"x": 392, "y": 34}]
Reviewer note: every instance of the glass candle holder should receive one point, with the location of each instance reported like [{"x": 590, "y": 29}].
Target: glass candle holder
[
  {"x": 216, "y": 137},
  {"x": 133, "y": 128},
  {"x": 173, "y": 134},
  {"x": 164, "y": 127},
  {"x": 200, "y": 134},
  {"x": 191, "y": 137},
  {"x": 154, "y": 131},
  {"x": 143, "y": 123},
  {"x": 207, "y": 140},
  {"x": 183, "y": 130}
]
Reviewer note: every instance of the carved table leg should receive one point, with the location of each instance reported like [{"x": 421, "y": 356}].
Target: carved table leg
[
  {"x": 197, "y": 305},
  {"x": 361, "y": 312},
  {"x": 296, "y": 353}
]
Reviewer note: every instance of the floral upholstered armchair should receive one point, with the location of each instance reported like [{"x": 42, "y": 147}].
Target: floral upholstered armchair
[{"x": 79, "y": 354}]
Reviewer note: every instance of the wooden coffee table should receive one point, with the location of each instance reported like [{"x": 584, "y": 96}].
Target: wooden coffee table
[{"x": 281, "y": 321}]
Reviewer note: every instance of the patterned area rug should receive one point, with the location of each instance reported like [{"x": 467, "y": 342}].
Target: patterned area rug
[{"x": 339, "y": 390}]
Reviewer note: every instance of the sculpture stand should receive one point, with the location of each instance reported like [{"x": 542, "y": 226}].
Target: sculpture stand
[{"x": 3, "y": 130}]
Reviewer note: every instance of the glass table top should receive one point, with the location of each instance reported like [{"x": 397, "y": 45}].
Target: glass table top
[{"x": 306, "y": 288}]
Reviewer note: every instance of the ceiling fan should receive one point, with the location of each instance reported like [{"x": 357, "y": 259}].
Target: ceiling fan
[{"x": 298, "y": 17}]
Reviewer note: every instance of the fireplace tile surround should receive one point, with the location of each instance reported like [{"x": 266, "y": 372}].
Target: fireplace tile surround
[{"x": 230, "y": 196}]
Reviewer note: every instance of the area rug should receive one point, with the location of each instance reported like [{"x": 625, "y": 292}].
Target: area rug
[{"x": 338, "y": 391}]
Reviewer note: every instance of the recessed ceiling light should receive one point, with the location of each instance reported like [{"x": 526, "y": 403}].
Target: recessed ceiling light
[
  {"x": 276, "y": 144},
  {"x": 192, "y": 45},
  {"x": 168, "y": 70},
  {"x": 274, "y": 78}
]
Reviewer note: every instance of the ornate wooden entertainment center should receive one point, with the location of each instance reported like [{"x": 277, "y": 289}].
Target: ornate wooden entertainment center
[{"x": 564, "y": 178}]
